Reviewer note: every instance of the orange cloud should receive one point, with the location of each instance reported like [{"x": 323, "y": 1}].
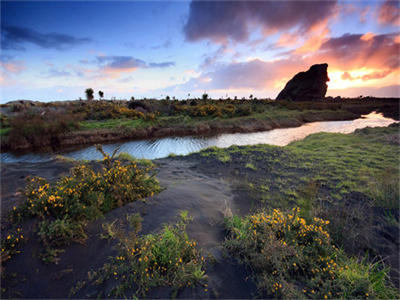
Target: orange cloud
[
  {"x": 314, "y": 42},
  {"x": 14, "y": 67},
  {"x": 288, "y": 40},
  {"x": 367, "y": 37}
]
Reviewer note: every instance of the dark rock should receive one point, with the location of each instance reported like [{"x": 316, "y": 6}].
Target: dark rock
[{"x": 307, "y": 86}]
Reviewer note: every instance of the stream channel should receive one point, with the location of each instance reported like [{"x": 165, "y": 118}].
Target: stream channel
[{"x": 162, "y": 147}]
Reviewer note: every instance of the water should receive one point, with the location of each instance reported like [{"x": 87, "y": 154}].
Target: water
[{"x": 159, "y": 148}]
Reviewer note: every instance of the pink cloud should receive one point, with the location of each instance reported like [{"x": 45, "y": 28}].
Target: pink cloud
[
  {"x": 14, "y": 67},
  {"x": 389, "y": 13},
  {"x": 354, "y": 51}
]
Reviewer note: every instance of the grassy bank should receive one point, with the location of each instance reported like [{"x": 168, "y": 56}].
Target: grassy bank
[
  {"x": 351, "y": 181},
  {"x": 56, "y": 125}
]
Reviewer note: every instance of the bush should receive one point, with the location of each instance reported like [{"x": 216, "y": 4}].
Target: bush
[
  {"x": 167, "y": 258},
  {"x": 40, "y": 131},
  {"x": 102, "y": 110},
  {"x": 291, "y": 258},
  {"x": 63, "y": 208}
]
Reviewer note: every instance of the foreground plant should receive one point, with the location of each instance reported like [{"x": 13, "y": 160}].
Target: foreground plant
[
  {"x": 9, "y": 245},
  {"x": 63, "y": 209},
  {"x": 167, "y": 258},
  {"x": 292, "y": 258}
]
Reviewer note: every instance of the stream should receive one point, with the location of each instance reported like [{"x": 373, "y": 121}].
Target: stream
[{"x": 162, "y": 147}]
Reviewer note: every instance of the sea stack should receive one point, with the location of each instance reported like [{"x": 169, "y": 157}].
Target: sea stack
[{"x": 307, "y": 86}]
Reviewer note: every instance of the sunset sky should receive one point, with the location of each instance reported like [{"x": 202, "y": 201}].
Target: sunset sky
[{"x": 54, "y": 50}]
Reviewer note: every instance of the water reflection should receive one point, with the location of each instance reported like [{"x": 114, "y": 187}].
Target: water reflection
[{"x": 158, "y": 148}]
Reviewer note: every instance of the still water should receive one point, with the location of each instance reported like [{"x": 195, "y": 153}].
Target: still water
[{"x": 159, "y": 148}]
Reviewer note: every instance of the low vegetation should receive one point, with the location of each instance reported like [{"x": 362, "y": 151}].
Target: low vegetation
[
  {"x": 166, "y": 258},
  {"x": 64, "y": 208},
  {"x": 321, "y": 204},
  {"x": 48, "y": 125},
  {"x": 291, "y": 258}
]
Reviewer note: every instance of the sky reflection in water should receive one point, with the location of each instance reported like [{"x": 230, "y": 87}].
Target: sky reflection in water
[{"x": 159, "y": 148}]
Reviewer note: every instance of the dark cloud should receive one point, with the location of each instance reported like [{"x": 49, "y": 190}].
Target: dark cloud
[
  {"x": 389, "y": 12},
  {"x": 375, "y": 55},
  {"x": 15, "y": 38},
  {"x": 354, "y": 51},
  {"x": 162, "y": 65},
  {"x": 121, "y": 62},
  {"x": 125, "y": 64},
  {"x": 222, "y": 20}
]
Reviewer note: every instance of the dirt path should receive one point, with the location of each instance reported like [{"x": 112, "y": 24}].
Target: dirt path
[{"x": 206, "y": 199}]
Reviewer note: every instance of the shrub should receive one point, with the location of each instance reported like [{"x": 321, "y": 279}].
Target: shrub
[
  {"x": 10, "y": 243},
  {"x": 40, "y": 131},
  {"x": 102, "y": 110},
  {"x": 167, "y": 258},
  {"x": 291, "y": 258},
  {"x": 89, "y": 94},
  {"x": 63, "y": 208}
]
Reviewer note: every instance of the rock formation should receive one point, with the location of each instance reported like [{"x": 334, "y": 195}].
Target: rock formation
[{"x": 307, "y": 86}]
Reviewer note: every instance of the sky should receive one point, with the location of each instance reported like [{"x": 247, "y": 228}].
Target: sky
[{"x": 55, "y": 50}]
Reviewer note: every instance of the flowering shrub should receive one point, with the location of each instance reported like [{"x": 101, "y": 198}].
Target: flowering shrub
[
  {"x": 101, "y": 110},
  {"x": 291, "y": 258},
  {"x": 10, "y": 243},
  {"x": 65, "y": 207},
  {"x": 167, "y": 258}
]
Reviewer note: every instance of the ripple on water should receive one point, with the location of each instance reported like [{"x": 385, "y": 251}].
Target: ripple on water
[{"x": 159, "y": 148}]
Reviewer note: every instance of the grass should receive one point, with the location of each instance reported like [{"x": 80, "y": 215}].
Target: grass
[
  {"x": 112, "y": 124},
  {"x": 140, "y": 161},
  {"x": 32, "y": 129},
  {"x": 63, "y": 209},
  {"x": 340, "y": 163},
  {"x": 292, "y": 258},
  {"x": 166, "y": 258},
  {"x": 352, "y": 180}
]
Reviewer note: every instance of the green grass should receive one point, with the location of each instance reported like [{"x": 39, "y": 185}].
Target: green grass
[
  {"x": 292, "y": 258},
  {"x": 166, "y": 258},
  {"x": 4, "y": 132},
  {"x": 111, "y": 124},
  {"x": 335, "y": 176}
]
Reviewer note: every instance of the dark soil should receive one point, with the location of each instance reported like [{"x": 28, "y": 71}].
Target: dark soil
[
  {"x": 206, "y": 187},
  {"x": 205, "y": 198}
]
